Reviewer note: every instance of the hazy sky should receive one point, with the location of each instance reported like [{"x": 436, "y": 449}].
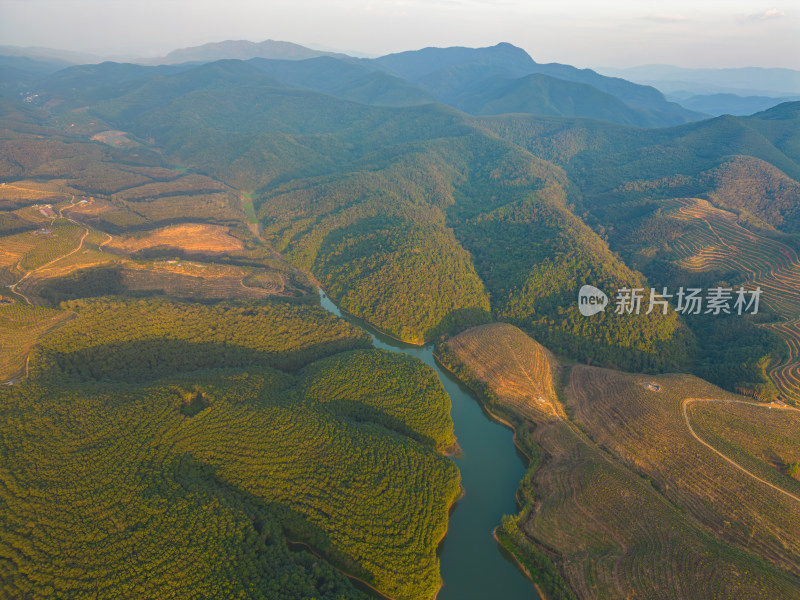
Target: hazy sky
[{"x": 699, "y": 33}]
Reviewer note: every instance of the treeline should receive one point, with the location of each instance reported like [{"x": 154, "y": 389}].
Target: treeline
[{"x": 130, "y": 340}]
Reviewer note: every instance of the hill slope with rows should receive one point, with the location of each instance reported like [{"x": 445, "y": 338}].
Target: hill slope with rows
[
  {"x": 157, "y": 448},
  {"x": 620, "y": 500}
]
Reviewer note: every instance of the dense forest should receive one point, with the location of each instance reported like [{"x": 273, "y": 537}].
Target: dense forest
[
  {"x": 381, "y": 222},
  {"x": 168, "y": 432},
  {"x": 420, "y": 219}
]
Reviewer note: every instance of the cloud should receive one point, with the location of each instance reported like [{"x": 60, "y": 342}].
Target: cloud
[
  {"x": 772, "y": 13},
  {"x": 664, "y": 18}
]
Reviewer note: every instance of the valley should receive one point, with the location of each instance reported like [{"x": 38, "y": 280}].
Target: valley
[{"x": 183, "y": 401}]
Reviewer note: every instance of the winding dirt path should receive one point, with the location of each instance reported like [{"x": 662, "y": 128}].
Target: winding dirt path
[
  {"x": 687, "y": 401},
  {"x": 103, "y": 243},
  {"x": 27, "y": 274}
]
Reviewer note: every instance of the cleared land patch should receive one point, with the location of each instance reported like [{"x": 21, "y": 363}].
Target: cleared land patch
[
  {"x": 648, "y": 433},
  {"x": 117, "y": 139},
  {"x": 620, "y": 500},
  {"x": 200, "y": 283},
  {"x": 518, "y": 369},
  {"x": 191, "y": 237}
]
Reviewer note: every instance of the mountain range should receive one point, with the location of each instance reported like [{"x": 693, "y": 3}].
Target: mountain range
[
  {"x": 479, "y": 80},
  {"x": 494, "y": 80}
]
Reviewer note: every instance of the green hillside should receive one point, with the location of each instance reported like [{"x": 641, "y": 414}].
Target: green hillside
[
  {"x": 390, "y": 207},
  {"x": 422, "y": 220},
  {"x": 610, "y": 163},
  {"x": 544, "y": 95},
  {"x": 348, "y": 79},
  {"x": 184, "y": 460}
]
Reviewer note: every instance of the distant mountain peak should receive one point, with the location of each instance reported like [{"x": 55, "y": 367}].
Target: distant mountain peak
[
  {"x": 49, "y": 54},
  {"x": 240, "y": 49},
  {"x": 460, "y": 76},
  {"x": 416, "y": 64}
]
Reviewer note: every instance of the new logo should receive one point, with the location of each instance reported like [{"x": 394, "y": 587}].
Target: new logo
[{"x": 591, "y": 300}]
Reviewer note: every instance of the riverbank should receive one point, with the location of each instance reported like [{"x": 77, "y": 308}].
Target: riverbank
[
  {"x": 367, "y": 325},
  {"x": 472, "y": 565},
  {"x": 519, "y": 564},
  {"x": 510, "y": 425},
  {"x": 486, "y": 409}
]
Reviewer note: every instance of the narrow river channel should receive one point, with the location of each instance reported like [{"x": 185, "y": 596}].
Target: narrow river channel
[{"x": 473, "y": 565}]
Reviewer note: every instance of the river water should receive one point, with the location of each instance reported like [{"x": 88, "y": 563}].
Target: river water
[{"x": 473, "y": 565}]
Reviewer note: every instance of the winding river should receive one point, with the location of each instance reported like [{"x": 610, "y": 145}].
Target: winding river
[{"x": 473, "y": 565}]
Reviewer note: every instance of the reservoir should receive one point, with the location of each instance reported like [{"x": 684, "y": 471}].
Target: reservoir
[{"x": 473, "y": 565}]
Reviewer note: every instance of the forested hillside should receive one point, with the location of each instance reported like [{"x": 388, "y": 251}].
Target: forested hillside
[
  {"x": 610, "y": 164},
  {"x": 394, "y": 210},
  {"x": 623, "y": 185},
  {"x": 171, "y": 436},
  {"x": 504, "y": 78},
  {"x": 422, "y": 220}
]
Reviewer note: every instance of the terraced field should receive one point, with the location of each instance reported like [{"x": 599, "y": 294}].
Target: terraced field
[
  {"x": 62, "y": 241},
  {"x": 620, "y": 499},
  {"x": 58, "y": 249},
  {"x": 34, "y": 250},
  {"x": 718, "y": 241},
  {"x": 761, "y": 439},
  {"x": 85, "y": 257},
  {"x": 25, "y": 193}
]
